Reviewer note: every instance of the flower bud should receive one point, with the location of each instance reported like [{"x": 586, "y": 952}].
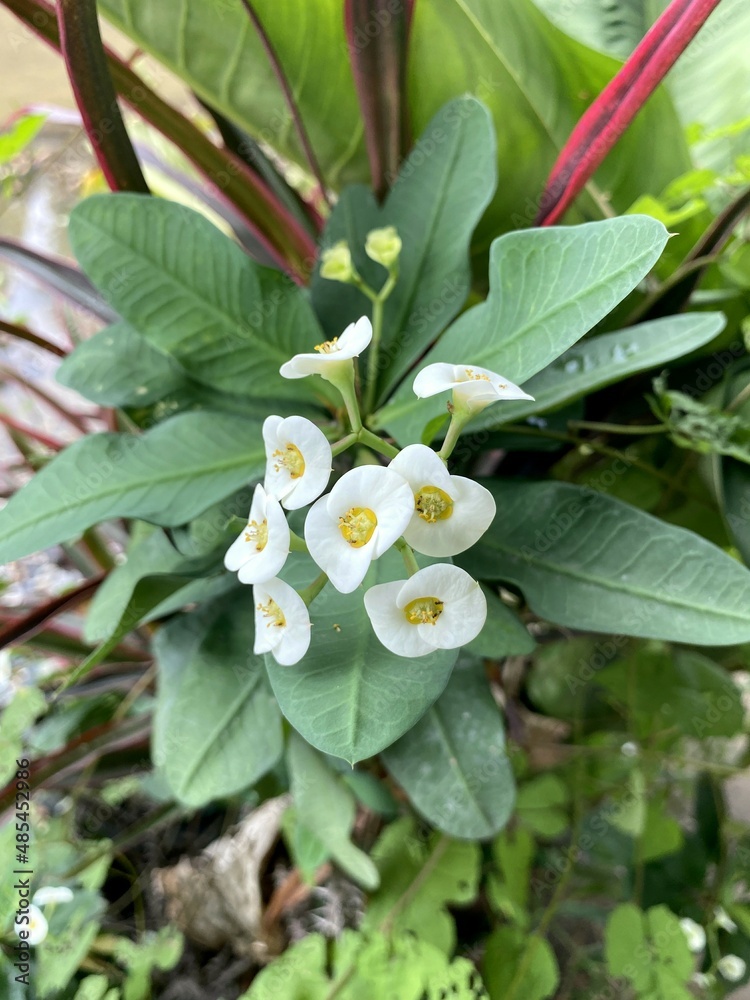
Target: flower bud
[
  {"x": 383, "y": 246},
  {"x": 336, "y": 263}
]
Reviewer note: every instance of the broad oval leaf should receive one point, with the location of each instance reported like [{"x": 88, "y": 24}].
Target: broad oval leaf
[
  {"x": 548, "y": 287},
  {"x": 587, "y": 561},
  {"x": 119, "y": 367},
  {"x": 351, "y": 697},
  {"x": 217, "y": 729},
  {"x": 193, "y": 293},
  {"x": 168, "y": 475},
  {"x": 452, "y": 764},
  {"x": 441, "y": 191},
  {"x": 600, "y": 361}
]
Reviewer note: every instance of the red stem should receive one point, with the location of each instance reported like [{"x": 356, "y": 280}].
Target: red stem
[
  {"x": 615, "y": 108},
  {"x": 23, "y": 333},
  {"x": 29, "y": 432},
  {"x": 20, "y": 629}
]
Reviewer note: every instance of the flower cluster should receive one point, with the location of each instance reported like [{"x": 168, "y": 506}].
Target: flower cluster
[{"x": 412, "y": 503}]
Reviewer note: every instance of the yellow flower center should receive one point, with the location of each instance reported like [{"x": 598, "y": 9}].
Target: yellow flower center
[
  {"x": 257, "y": 533},
  {"x": 274, "y": 614},
  {"x": 291, "y": 459},
  {"x": 433, "y": 504},
  {"x": 358, "y": 525},
  {"x": 328, "y": 346},
  {"x": 473, "y": 376},
  {"x": 424, "y": 610}
]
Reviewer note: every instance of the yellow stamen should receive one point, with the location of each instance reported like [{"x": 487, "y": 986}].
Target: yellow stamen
[
  {"x": 424, "y": 610},
  {"x": 273, "y": 612},
  {"x": 480, "y": 376},
  {"x": 328, "y": 346},
  {"x": 290, "y": 458},
  {"x": 433, "y": 504},
  {"x": 257, "y": 533},
  {"x": 357, "y": 526}
]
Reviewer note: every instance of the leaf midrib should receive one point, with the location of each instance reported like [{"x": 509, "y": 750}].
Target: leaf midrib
[
  {"x": 152, "y": 480},
  {"x": 453, "y": 764},
  {"x": 493, "y": 543}
]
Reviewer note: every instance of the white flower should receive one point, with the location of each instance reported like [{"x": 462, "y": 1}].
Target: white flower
[
  {"x": 333, "y": 355},
  {"x": 36, "y": 926},
  {"x": 282, "y": 622},
  {"x": 362, "y": 516},
  {"x": 732, "y": 968},
  {"x": 696, "y": 936},
  {"x": 263, "y": 546},
  {"x": 723, "y": 920},
  {"x": 440, "y": 607},
  {"x": 451, "y": 513},
  {"x": 629, "y": 749},
  {"x": 473, "y": 387},
  {"x": 53, "y": 894},
  {"x": 702, "y": 979},
  {"x": 298, "y": 460}
]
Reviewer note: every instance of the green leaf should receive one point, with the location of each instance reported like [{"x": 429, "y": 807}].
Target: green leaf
[
  {"x": 661, "y": 835},
  {"x": 600, "y": 361},
  {"x": 167, "y": 475},
  {"x": 216, "y": 728},
  {"x": 194, "y": 294},
  {"x": 138, "y": 589},
  {"x": 590, "y": 562},
  {"x": 26, "y": 706},
  {"x": 119, "y": 367},
  {"x": 452, "y": 764},
  {"x": 508, "y": 892},
  {"x": 92, "y": 988},
  {"x": 72, "y": 929},
  {"x": 16, "y": 138},
  {"x": 548, "y": 287},
  {"x": 353, "y": 697},
  {"x": 153, "y": 951},
  {"x": 326, "y": 807},
  {"x": 536, "y": 81},
  {"x": 442, "y": 189},
  {"x": 650, "y": 950},
  {"x": 503, "y": 634},
  {"x": 542, "y": 805},
  {"x": 418, "y": 879},
  {"x": 516, "y": 964},
  {"x": 680, "y": 690}
]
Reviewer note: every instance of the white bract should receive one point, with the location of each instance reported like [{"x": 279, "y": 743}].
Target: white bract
[
  {"x": 695, "y": 934},
  {"x": 723, "y": 920},
  {"x": 262, "y": 547},
  {"x": 451, "y": 513},
  {"x": 362, "y": 516},
  {"x": 440, "y": 607},
  {"x": 282, "y": 622},
  {"x": 473, "y": 387},
  {"x": 732, "y": 968},
  {"x": 52, "y": 894},
  {"x": 298, "y": 460},
  {"x": 333, "y": 357},
  {"x": 34, "y": 924}
]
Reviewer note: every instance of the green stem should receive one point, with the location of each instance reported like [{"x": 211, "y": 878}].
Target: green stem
[
  {"x": 377, "y": 443},
  {"x": 407, "y": 554},
  {"x": 457, "y": 424},
  {"x": 349, "y": 395},
  {"x": 309, "y": 594},
  {"x": 297, "y": 544},
  {"x": 586, "y": 425},
  {"x": 343, "y": 444},
  {"x": 739, "y": 399},
  {"x": 377, "y": 332}
]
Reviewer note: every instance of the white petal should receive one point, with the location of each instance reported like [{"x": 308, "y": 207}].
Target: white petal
[
  {"x": 346, "y": 566},
  {"x": 384, "y": 492},
  {"x": 295, "y": 636},
  {"x": 36, "y": 928},
  {"x": 461, "y": 621},
  {"x": 474, "y": 510},
  {"x": 266, "y": 635},
  {"x": 355, "y": 338},
  {"x": 316, "y": 452},
  {"x": 421, "y": 466},
  {"x": 241, "y": 550},
  {"x": 302, "y": 365},
  {"x": 390, "y": 623},
  {"x": 270, "y": 560},
  {"x": 276, "y": 483},
  {"x": 52, "y": 894},
  {"x": 434, "y": 378}
]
